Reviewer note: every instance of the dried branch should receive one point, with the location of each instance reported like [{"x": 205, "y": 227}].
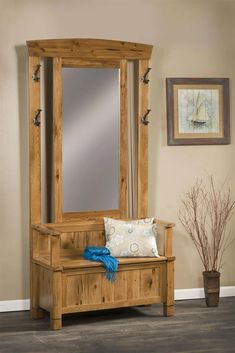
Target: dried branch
[{"x": 204, "y": 214}]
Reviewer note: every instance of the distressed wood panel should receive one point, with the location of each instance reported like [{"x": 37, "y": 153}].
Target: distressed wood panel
[
  {"x": 120, "y": 292},
  {"x": 90, "y": 216},
  {"x": 57, "y": 294},
  {"x": 142, "y": 167},
  {"x": 107, "y": 291},
  {"x": 89, "y": 48},
  {"x": 34, "y": 144},
  {"x": 94, "y": 288},
  {"x": 45, "y": 289},
  {"x": 123, "y": 140},
  {"x": 85, "y": 225},
  {"x": 57, "y": 138},
  {"x": 148, "y": 283},
  {"x": 74, "y": 290},
  {"x": 74, "y": 62},
  {"x": 79, "y": 240},
  {"x": 91, "y": 289},
  {"x": 34, "y": 177},
  {"x": 133, "y": 284}
]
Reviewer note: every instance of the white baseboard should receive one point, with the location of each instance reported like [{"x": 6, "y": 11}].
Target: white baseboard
[
  {"x": 14, "y": 305},
  {"x": 198, "y": 293},
  {"x": 180, "y": 294}
]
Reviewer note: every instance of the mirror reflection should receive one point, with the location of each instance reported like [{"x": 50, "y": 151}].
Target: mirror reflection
[{"x": 90, "y": 139}]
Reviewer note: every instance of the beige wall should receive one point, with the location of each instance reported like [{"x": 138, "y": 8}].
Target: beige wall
[{"x": 192, "y": 38}]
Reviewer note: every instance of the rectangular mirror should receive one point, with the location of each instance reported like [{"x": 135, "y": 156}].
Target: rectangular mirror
[{"x": 90, "y": 139}]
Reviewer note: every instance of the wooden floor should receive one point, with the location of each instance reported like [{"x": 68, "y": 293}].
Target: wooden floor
[{"x": 194, "y": 328}]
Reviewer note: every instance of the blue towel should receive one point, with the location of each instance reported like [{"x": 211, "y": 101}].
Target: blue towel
[{"x": 102, "y": 254}]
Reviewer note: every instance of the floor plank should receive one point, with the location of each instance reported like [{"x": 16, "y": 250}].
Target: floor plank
[{"x": 194, "y": 329}]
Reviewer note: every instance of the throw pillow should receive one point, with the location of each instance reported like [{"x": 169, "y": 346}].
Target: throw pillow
[
  {"x": 127, "y": 239},
  {"x": 112, "y": 221}
]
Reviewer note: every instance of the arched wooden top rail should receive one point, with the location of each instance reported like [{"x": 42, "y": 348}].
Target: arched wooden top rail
[{"x": 89, "y": 49}]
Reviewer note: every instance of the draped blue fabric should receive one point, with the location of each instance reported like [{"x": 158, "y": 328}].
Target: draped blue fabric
[{"x": 102, "y": 254}]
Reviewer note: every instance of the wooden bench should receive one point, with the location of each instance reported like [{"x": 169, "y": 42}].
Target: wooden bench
[{"x": 64, "y": 282}]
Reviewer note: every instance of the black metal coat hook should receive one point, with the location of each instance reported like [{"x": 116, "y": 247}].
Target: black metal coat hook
[
  {"x": 144, "y": 78},
  {"x": 36, "y": 76},
  {"x": 144, "y": 118},
  {"x": 37, "y": 122}
]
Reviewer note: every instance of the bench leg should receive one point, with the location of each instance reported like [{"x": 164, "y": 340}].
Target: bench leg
[
  {"x": 56, "y": 310},
  {"x": 169, "y": 305},
  {"x": 35, "y": 311},
  {"x": 168, "y": 310},
  {"x": 55, "y": 324}
]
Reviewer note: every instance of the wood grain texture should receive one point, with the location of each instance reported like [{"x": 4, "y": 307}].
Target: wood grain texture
[
  {"x": 88, "y": 224},
  {"x": 169, "y": 304},
  {"x": 168, "y": 242},
  {"x": 42, "y": 229},
  {"x": 90, "y": 215},
  {"x": 45, "y": 288},
  {"x": 123, "y": 140},
  {"x": 34, "y": 144},
  {"x": 77, "y": 285},
  {"x": 34, "y": 177},
  {"x": 77, "y": 62},
  {"x": 89, "y": 49},
  {"x": 57, "y": 138},
  {"x": 55, "y": 250},
  {"x": 142, "y": 164},
  {"x": 35, "y": 310},
  {"x": 56, "y": 308},
  {"x": 62, "y": 280},
  {"x": 90, "y": 290}
]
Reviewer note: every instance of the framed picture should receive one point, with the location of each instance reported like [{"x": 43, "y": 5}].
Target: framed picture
[{"x": 197, "y": 111}]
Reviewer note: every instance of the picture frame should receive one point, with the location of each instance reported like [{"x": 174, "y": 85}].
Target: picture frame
[{"x": 197, "y": 111}]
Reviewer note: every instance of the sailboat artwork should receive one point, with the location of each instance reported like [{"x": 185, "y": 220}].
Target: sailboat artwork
[
  {"x": 198, "y": 111},
  {"x": 199, "y": 116}
]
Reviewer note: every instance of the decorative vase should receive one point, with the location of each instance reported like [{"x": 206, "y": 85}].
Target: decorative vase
[{"x": 211, "y": 281}]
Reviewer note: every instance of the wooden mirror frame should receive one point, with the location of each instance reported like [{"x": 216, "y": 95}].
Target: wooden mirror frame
[
  {"x": 58, "y": 64},
  {"x": 88, "y": 53}
]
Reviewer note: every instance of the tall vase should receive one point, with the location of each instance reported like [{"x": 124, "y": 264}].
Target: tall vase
[{"x": 211, "y": 287}]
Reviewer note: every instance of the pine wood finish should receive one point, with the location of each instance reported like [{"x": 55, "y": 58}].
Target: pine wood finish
[
  {"x": 89, "y": 49},
  {"x": 123, "y": 140},
  {"x": 142, "y": 167},
  {"x": 35, "y": 178},
  {"x": 62, "y": 281},
  {"x": 68, "y": 283},
  {"x": 57, "y": 138}
]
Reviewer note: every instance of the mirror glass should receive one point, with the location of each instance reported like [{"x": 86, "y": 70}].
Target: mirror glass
[{"x": 90, "y": 139}]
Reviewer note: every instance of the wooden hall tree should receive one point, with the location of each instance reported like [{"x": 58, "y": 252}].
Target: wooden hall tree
[{"x": 61, "y": 280}]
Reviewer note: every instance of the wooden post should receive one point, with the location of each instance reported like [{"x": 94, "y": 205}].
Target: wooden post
[
  {"x": 168, "y": 241},
  {"x": 56, "y": 309},
  {"x": 34, "y": 144},
  {"x": 123, "y": 139},
  {"x": 35, "y": 311},
  {"x": 169, "y": 304},
  {"x": 142, "y": 167},
  {"x": 34, "y": 180},
  {"x": 55, "y": 250},
  {"x": 57, "y": 138}
]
